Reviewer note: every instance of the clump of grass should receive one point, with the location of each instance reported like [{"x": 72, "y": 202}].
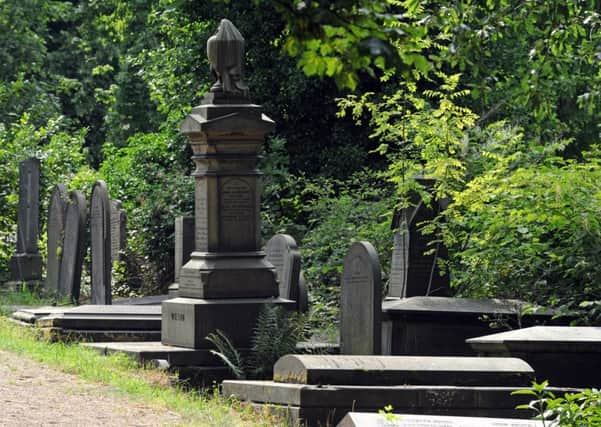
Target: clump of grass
[
  {"x": 9, "y": 300},
  {"x": 124, "y": 376}
]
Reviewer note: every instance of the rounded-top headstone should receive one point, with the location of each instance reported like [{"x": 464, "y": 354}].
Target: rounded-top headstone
[
  {"x": 361, "y": 301},
  {"x": 73, "y": 246},
  {"x": 56, "y": 229},
  {"x": 100, "y": 239},
  {"x": 282, "y": 251}
]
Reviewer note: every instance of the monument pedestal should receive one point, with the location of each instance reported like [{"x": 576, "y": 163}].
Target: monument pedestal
[{"x": 186, "y": 322}]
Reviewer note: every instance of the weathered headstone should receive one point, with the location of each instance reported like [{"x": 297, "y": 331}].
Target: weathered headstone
[
  {"x": 412, "y": 271},
  {"x": 118, "y": 229},
  {"x": 73, "y": 247},
  {"x": 56, "y": 230},
  {"x": 100, "y": 239},
  {"x": 361, "y": 299},
  {"x": 184, "y": 245},
  {"x": 26, "y": 264},
  {"x": 282, "y": 251}
]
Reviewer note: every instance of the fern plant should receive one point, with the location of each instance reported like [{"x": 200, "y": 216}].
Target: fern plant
[{"x": 276, "y": 334}]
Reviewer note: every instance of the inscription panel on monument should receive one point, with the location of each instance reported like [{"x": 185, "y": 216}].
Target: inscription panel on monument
[
  {"x": 201, "y": 214},
  {"x": 237, "y": 219}
]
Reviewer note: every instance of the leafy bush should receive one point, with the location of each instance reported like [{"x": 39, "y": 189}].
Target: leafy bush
[
  {"x": 529, "y": 231},
  {"x": 148, "y": 177},
  {"x": 62, "y": 160},
  {"x": 581, "y": 409},
  {"x": 341, "y": 214}
]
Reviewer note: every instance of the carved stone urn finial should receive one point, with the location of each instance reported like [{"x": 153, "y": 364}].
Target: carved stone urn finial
[{"x": 225, "y": 51}]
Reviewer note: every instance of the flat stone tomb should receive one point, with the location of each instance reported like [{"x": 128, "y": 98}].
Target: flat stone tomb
[
  {"x": 322, "y": 389},
  {"x": 282, "y": 251},
  {"x": 360, "y": 301},
  {"x": 105, "y": 323},
  {"x": 365, "y": 419},
  {"x": 100, "y": 239},
  {"x": 563, "y": 355},
  {"x": 439, "y": 326},
  {"x": 73, "y": 246},
  {"x": 395, "y": 370},
  {"x": 55, "y": 229}
]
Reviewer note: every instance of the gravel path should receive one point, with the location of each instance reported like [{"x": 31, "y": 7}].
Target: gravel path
[{"x": 32, "y": 394}]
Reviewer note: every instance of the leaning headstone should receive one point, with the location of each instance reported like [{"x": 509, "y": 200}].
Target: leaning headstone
[
  {"x": 100, "y": 239},
  {"x": 73, "y": 246},
  {"x": 118, "y": 229},
  {"x": 26, "y": 264},
  {"x": 56, "y": 231},
  {"x": 415, "y": 266},
  {"x": 361, "y": 299},
  {"x": 282, "y": 251}
]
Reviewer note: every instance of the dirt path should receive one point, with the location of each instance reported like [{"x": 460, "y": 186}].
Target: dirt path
[{"x": 32, "y": 394}]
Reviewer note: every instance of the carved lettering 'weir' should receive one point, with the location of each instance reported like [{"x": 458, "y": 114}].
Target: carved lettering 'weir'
[{"x": 178, "y": 317}]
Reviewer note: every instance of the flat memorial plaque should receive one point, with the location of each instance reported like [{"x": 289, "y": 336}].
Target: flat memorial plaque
[{"x": 364, "y": 419}]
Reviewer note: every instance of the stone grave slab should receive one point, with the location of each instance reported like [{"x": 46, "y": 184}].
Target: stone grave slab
[
  {"x": 73, "y": 246},
  {"x": 395, "y": 370},
  {"x": 57, "y": 210},
  {"x": 147, "y": 300},
  {"x": 439, "y": 326},
  {"x": 314, "y": 405},
  {"x": 282, "y": 251},
  {"x": 26, "y": 264},
  {"x": 100, "y": 243},
  {"x": 104, "y": 323},
  {"x": 365, "y": 419},
  {"x": 360, "y": 301},
  {"x": 29, "y": 315},
  {"x": 563, "y": 355}
]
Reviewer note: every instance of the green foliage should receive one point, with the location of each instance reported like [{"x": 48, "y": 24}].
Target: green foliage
[
  {"x": 529, "y": 231},
  {"x": 62, "y": 160},
  {"x": 154, "y": 188},
  {"x": 342, "y": 213},
  {"x": 276, "y": 334},
  {"x": 580, "y": 409}
]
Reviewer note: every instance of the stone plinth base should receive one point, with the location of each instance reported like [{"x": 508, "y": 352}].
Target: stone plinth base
[
  {"x": 228, "y": 275},
  {"x": 187, "y": 321},
  {"x": 25, "y": 267}
]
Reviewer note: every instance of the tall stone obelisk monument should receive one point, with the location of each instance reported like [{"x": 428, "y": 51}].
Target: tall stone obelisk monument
[{"x": 228, "y": 278}]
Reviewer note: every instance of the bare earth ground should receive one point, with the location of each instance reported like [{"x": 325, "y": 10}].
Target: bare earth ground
[{"x": 32, "y": 394}]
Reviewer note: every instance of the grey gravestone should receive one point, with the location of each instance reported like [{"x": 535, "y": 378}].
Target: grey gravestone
[
  {"x": 302, "y": 304},
  {"x": 118, "y": 229},
  {"x": 26, "y": 264},
  {"x": 366, "y": 419},
  {"x": 73, "y": 246},
  {"x": 100, "y": 239},
  {"x": 412, "y": 272},
  {"x": 282, "y": 251},
  {"x": 360, "y": 306},
  {"x": 398, "y": 370},
  {"x": 56, "y": 230},
  {"x": 184, "y": 246}
]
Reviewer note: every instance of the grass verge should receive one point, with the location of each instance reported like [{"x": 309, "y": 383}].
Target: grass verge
[{"x": 124, "y": 376}]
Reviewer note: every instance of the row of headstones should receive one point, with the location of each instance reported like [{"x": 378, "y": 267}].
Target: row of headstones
[
  {"x": 281, "y": 250},
  {"x": 67, "y": 242}
]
